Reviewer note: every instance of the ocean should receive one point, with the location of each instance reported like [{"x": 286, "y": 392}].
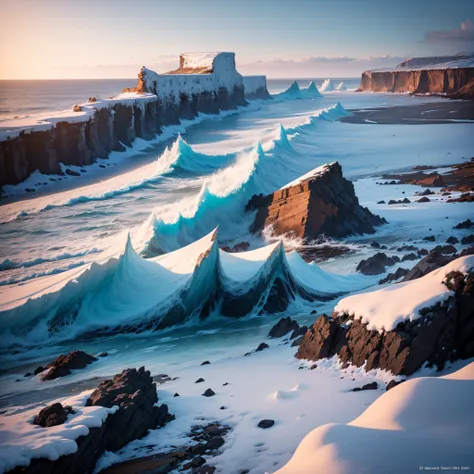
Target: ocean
[{"x": 26, "y": 97}]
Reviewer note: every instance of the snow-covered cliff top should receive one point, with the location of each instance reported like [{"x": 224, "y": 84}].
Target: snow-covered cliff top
[{"x": 462, "y": 60}]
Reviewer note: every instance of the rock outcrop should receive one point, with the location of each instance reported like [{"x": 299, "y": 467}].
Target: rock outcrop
[
  {"x": 255, "y": 88},
  {"x": 322, "y": 202},
  {"x": 134, "y": 393},
  {"x": 62, "y": 366},
  {"x": 442, "y": 332}
]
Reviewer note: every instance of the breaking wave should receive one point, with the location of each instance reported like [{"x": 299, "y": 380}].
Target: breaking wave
[
  {"x": 127, "y": 293},
  {"x": 224, "y": 195}
]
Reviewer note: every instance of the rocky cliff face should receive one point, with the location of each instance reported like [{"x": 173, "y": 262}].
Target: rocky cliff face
[
  {"x": 420, "y": 81},
  {"x": 157, "y": 101},
  {"x": 256, "y": 88},
  {"x": 322, "y": 202},
  {"x": 443, "y": 332}
]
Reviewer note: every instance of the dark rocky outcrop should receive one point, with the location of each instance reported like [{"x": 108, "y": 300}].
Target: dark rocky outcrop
[
  {"x": 467, "y": 224},
  {"x": 323, "y": 204},
  {"x": 399, "y": 273},
  {"x": 283, "y": 327},
  {"x": 367, "y": 386},
  {"x": 376, "y": 264},
  {"x": 442, "y": 333},
  {"x": 52, "y": 415},
  {"x": 429, "y": 263},
  {"x": 265, "y": 424},
  {"x": 469, "y": 239},
  {"x": 62, "y": 366},
  {"x": 393, "y": 383},
  {"x": 134, "y": 393}
]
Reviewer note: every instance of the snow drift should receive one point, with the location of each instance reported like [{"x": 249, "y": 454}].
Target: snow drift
[
  {"x": 422, "y": 423},
  {"x": 127, "y": 293}
]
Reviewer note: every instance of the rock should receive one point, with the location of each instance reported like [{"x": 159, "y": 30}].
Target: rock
[
  {"x": 424, "y": 199},
  {"x": 393, "y": 383},
  {"x": 381, "y": 202},
  {"x": 222, "y": 408},
  {"x": 445, "y": 249},
  {"x": 452, "y": 240},
  {"x": 77, "y": 108},
  {"x": 368, "y": 386},
  {"x": 393, "y": 201},
  {"x": 209, "y": 393},
  {"x": 422, "y": 252},
  {"x": 38, "y": 370},
  {"x": 204, "y": 470},
  {"x": 262, "y": 346},
  {"x": 443, "y": 332},
  {"x": 71, "y": 172},
  {"x": 322, "y": 204},
  {"x": 407, "y": 248},
  {"x": 283, "y": 327},
  {"x": 429, "y": 238},
  {"x": 374, "y": 244},
  {"x": 63, "y": 365},
  {"x": 52, "y": 415},
  {"x": 103, "y": 354},
  {"x": 469, "y": 239},
  {"x": 215, "y": 443},
  {"x": 314, "y": 366},
  {"x": 206, "y": 362},
  {"x": 406, "y": 201},
  {"x": 301, "y": 331},
  {"x": 240, "y": 247},
  {"x": 197, "y": 461},
  {"x": 28, "y": 374},
  {"x": 225, "y": 384},
  {"x": 199, "y": 380},
  {"x": 409, "y": 256},
  {"x": 468, "y": 251},
  {"x": 429, "y": 263},
  {"x": 376, "y": 264},
  {"x": 399, "y": 273},
  {"x": 134, "y": 393},
  {"x": 426, "y": 192},
  {"x": 297, "y": 341},
  {"x": 467, "y": 224},
  {"x": 265, "y": 424},
  {"x": 176, "y": 395}
]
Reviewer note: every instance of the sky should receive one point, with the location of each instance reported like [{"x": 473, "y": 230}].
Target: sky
[{"x": 66, "y": 39}]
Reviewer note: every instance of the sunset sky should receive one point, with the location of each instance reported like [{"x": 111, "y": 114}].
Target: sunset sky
[{"x": 49, "y": 39}]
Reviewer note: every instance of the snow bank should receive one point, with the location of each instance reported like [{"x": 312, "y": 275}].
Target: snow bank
[
  {"x": 386, "y": 308},
  {"x": 21, "y": 441},
  {"x": 422, "y": 424}
]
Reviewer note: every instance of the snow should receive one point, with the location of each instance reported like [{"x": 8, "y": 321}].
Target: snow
[
  {"x": 384, "y": 309},
  {"x": 21, "y": 441},
  {"x": 422, "y": 424},
  {"x": 172, "y": 86},
  {"x": 341, "y": 87},
  {"x": 253, "y": 84},
  {"x": 319, "y": 171}
]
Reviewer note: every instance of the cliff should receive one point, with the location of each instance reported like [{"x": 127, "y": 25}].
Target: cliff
[
  {"x": 440, "y": 75},
  {"x": 92, "y": 130},
  {"x": 401, "y": 327},
  {"x": 256, "y": 88},
  {"x": 321, "y": 202}
]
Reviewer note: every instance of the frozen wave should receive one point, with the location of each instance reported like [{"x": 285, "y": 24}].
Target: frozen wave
[
  {"x": 224, "y": 195},
  {"x": 127, "y": 293}
]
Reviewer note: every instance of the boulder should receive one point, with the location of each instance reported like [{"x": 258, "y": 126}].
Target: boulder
[
  {"x": 445, "y": 249},
  {"x": 261, "y": 347},
  {"x": 468, "y": 251},
  {"x": 52, "y": 415},
  {"x": 265, "y": 424},
  {"x": 323, "y": 203},
  {"x": 134, "y": 393},
  {"x": 393, "y": 383},
  {"x": 376, "y": 264},
  {"x": 399, "y": 273},
  {"x": 367, "y": 386},
  {"x": 452, "y": 240},
  {"x": 63, "y": 365},
  {"x": 209, "y": 393},
  {"x": 442, "y": 332},
  {"x": 429, "y": 263},
  {"x": 424, "y": 199},
  {"x": 467, "y": 224},
  {"x": 409, "y": 256},
  {"x": 469, "y": 239},
  {"x": 283, "y": 327}
]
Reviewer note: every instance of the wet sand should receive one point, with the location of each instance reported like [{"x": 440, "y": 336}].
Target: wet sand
[{"x": 445, "y": 111}]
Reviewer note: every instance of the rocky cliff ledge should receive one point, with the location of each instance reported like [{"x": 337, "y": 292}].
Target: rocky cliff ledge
[
  {"x": 320, "y": 202},
  {"x": 402, "y": 327},
  {"x": 441, "y": 75},
  {"x": 256, "y": 88},
  {"x": 94, "y": 129}
]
